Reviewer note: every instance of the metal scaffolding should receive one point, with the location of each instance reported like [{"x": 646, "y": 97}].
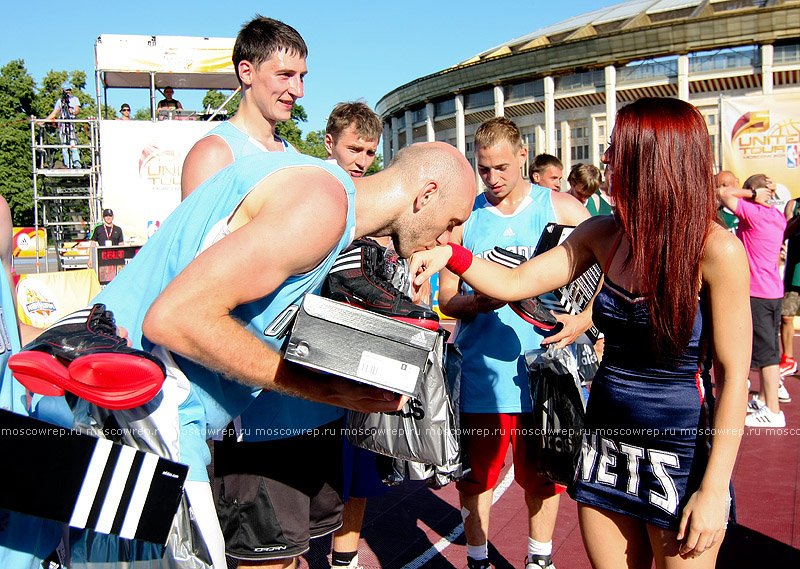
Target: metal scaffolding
[{"x": 67, "y": 193}]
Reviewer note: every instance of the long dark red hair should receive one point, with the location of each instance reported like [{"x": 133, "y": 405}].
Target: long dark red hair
[{"x": 663, "y": 186}]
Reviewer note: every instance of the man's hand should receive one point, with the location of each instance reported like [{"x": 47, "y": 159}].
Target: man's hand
[
  {"x": 483, "y": 304},
  {"x": 301, "y": 381}
]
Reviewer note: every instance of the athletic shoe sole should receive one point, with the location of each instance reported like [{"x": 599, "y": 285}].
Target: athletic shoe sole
[
  {"x": 549, "y": 326},
  {"x": 112, "y": 381},
  {"x": 428, "y": 323}
]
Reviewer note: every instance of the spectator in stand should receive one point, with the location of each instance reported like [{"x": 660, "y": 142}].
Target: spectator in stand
[
  {"x": 761, "y": 228},
  {"x": 791, "y": 293},
  {"x": 546, "y": 171},
  {"x": 168, "y": 103},
  {"x": 125, "y": 109}
]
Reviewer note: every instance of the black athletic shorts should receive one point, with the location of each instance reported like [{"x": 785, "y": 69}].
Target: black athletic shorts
[
  {"x": 766, "y": 327},
  {"x": 273, "y": 496}
]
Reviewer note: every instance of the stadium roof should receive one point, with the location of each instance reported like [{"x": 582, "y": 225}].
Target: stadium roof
[{"x": 628, "y": 15}]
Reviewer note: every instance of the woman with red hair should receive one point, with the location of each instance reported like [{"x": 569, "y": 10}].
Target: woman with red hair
[{"x": 657, "y": 454}]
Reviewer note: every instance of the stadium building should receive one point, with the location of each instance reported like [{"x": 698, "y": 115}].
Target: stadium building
[{"x": 563, "y": 84}]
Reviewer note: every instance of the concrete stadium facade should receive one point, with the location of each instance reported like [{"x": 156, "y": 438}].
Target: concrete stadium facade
[{"x": 563, "y": 84}]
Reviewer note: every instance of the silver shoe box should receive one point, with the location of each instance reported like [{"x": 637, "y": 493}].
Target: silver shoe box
[{"x": 360, "y": 345}]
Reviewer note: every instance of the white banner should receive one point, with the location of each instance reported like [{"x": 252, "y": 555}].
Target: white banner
[
  {"x": 761, "y": 135},
  {"x": 141, "y": 170}
]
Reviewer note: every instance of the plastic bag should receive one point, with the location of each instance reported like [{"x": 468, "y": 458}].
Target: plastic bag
[
  {"x": 394, "y": 471},
  {"x": 558, "y": 410},
  {"x": 425, "y": 430}
]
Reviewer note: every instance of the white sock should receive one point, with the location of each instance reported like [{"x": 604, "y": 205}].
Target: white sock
[
  {"x": 478, "y": 552},
  {"x": 539, "y": 548}
]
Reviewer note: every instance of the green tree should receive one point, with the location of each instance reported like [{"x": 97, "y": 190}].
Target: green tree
[
  {"x": 214, "y": 99},
  {"x": 17, "y": 96}
]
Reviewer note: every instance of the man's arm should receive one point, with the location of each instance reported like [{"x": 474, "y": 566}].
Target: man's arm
[
  {"x": 457, "y": 305},
  {"x": 192, "y": 316},
  {"x": 729, "y": 197},
  {"x": 208, "y": 156},
  {"x": 178, "y": 105}
]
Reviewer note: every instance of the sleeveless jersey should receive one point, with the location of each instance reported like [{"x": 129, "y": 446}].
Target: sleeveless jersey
[
  {"x": 241, "y": 143},
  {"x": 12, "y": 393},
  {"x": 213, "y": 400},
  {"x": 494, "y": 378}
]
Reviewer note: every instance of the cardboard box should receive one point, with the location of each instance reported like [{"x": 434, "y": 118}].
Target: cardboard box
[
  {"x": 360, "y": 345},
  {"x": 86, "y": 482}
]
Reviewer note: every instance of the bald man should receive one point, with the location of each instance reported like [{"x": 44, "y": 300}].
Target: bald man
[{"x": 251, "y": 241}]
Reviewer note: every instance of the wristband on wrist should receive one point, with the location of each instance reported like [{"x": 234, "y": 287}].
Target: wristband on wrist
[
  {"x": 460, "y": 260},
  {"x": 755, "y": 193}
]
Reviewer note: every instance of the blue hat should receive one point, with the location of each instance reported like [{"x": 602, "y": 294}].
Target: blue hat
[{"x": 66, "y": 86}]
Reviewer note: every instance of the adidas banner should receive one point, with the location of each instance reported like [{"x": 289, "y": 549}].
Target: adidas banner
[{"x": 86, "y": 482}]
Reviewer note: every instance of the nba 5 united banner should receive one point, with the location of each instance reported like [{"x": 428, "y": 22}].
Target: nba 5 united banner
[{"x": 761, "y": 135}]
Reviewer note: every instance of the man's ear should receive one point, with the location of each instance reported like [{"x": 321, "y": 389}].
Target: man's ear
[
  {"x": 426, "y": 195},
  {"x": 246, "y": 69},
  {"x": 329, "y": 144}
]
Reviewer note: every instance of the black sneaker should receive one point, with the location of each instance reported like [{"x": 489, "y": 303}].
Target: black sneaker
[
  {"x": 539, "y": 562},
  {"x": 356, "y": 278},
  {"x": 478, "y": 563},
  {"x": 530, "y": 309},
  {"x": 82, "y": 354}
]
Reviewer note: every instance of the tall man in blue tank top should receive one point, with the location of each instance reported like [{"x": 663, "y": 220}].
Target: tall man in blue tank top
[
  {"x": 249, "y": 242},
  {"x": 270, "y": 62},
  {"x": 495, "y": 398}
]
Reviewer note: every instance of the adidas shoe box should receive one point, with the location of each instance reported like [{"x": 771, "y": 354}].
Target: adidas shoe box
[
  {"x": 357, "y": 344},
  {"x": 86, "y": 482}
]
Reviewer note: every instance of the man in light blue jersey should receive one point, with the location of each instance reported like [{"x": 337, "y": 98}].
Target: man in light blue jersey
[
  {"x": 247, "y": 244},
  {"x": 495, "y": 397},
  {"x": 270, "y": 62}
]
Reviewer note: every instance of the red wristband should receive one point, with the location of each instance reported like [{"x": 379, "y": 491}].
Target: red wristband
[{"x": 460, "y": 260}]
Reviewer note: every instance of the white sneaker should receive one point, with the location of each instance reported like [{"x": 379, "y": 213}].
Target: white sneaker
[
  {"x": 754, "y": 404},
  {"x": 783, "y": 394},
  {"x": 765, "y": 418}
]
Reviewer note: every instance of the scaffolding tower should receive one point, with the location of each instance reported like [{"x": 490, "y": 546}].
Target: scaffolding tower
[{"x": 67, "y": 194}]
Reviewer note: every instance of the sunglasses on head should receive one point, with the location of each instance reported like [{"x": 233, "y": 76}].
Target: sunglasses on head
[{"x": 125, "y": 109}]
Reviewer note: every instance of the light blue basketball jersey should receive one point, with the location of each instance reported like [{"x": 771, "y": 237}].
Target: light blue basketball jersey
[
  {"x": 214, "y": 400},
  {"x": 494, "y": 378},
  {"x": 241, "y": 143}
]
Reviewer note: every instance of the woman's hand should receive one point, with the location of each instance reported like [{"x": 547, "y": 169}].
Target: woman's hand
[
  {"x": 424, "y": 264},
  {"x": 703, "y": 522}
]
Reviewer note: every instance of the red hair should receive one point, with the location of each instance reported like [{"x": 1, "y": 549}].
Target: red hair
[{"x": 663, "y": 187}]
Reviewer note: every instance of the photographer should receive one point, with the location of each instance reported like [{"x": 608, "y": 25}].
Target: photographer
[{"x": 67, "y": 107}]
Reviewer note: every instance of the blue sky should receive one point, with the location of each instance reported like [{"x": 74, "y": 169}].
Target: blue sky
[{"x": 357, "y": 49}]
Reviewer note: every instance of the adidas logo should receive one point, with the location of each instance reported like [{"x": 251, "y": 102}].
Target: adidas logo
[
  {"x": 418, "y": 339},
  {"x": 509, "y": 232}
]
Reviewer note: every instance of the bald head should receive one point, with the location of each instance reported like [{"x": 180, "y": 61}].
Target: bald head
[
  {"x": 727, "y": 179},
  {"x": 441, "y": 186},
  {"x": 437, "y": 161}
]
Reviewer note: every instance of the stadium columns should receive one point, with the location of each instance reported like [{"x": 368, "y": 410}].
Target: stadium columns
[
  {"x": 499, "y": 101},
  {"x": 767, "y": 51},
  {"x": 430, "y": 109},
  {"x": 611, "y": 97}
]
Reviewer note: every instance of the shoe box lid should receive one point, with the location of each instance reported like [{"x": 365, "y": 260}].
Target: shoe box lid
[
  {"x": 108, "y": 487},
  {"x": 358, "y": 344}
]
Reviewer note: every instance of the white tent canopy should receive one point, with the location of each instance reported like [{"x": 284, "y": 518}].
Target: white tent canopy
[{"x": 155, "y": 62}]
